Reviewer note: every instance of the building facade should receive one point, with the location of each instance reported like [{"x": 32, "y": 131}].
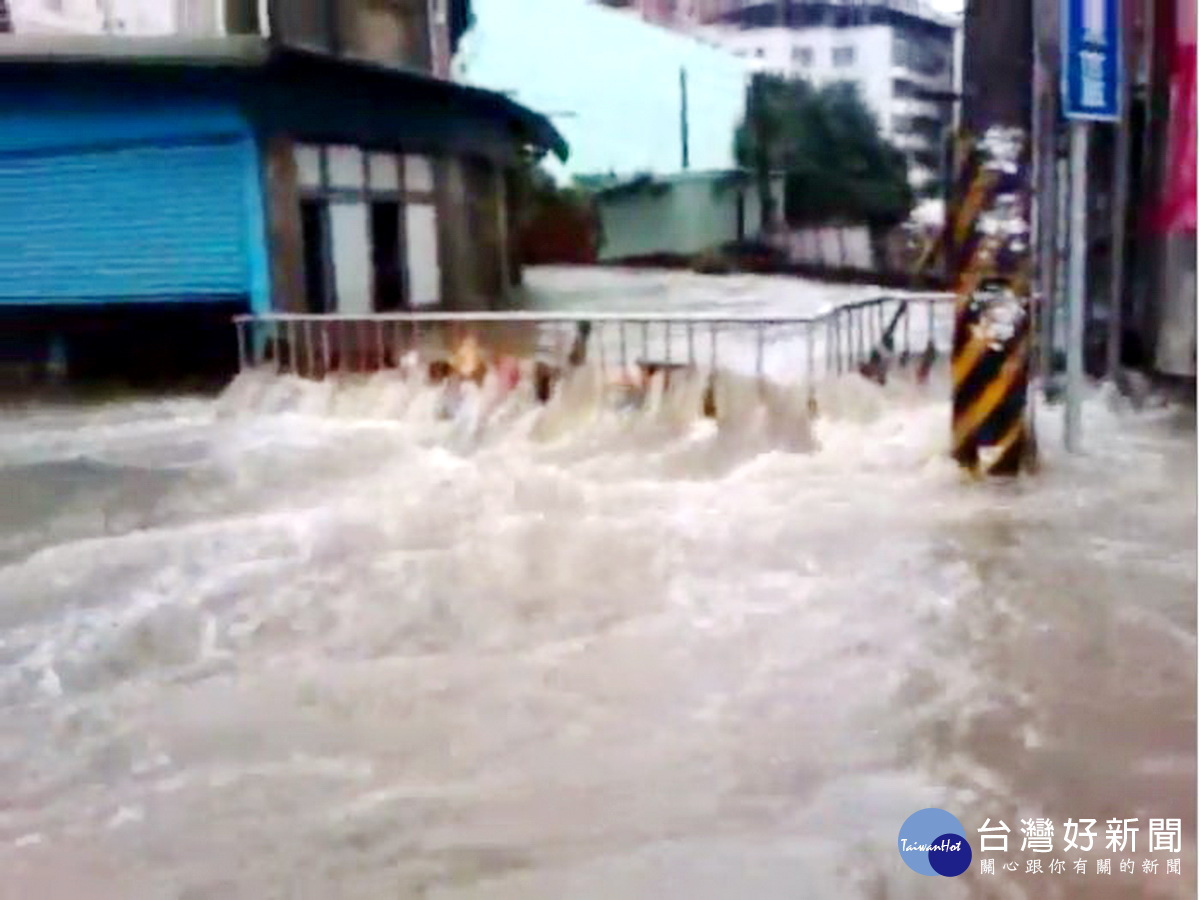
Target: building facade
[
  {"x": 899, "y": 53},
  {"x": 678, "y": 216},
  {"x": 156, "y": 187},
  {"x": 677, "y": 13},
  {"x": 144, "y": 17}
]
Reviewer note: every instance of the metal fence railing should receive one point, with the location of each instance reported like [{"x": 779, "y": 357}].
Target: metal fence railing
[{"x": 779, "y": 347}]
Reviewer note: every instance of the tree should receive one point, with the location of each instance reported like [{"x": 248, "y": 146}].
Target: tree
[{"x": 825, "y": 141}]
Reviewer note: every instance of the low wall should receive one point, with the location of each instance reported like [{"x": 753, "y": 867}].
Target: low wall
[{"x": 846, "y": 247}]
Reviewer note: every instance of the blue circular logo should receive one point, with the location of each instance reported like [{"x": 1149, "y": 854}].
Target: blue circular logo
[{"x": 933, "y": 842}]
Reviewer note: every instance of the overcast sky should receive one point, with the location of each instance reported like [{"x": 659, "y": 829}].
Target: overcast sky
[{"x": 948, "y": 6}]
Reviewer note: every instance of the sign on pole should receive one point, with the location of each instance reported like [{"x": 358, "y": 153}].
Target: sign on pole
[
  {"x": 1092, "y": 68},
  {"x": 1091, "y": 64}
]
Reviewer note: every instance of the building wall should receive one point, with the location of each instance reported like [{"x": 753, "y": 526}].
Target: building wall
[
  {"x": 886, "y": 62},
  {"x": 862, "y": 57},
  {"x": 145, "y": 17},
  {"x": 685, "y": 216},
  {"x": 610, "y": 82}
]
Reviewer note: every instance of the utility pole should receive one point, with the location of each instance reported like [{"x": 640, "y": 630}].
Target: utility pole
[
  {"x": 1092, "y": 68},
  {"x": 762, "y": 158},
  {"x": 683, "y": 118},
  {"x": 1076, "y": 284},
  {"x": 989, "y": 242}
]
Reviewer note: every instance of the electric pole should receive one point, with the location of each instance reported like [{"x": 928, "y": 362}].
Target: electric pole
[
  {"x": 990, "y": 241},
  {"x": 683, "y": 119}
]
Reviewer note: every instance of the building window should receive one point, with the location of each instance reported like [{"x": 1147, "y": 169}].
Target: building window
[
  {"x": 843, "y": 56},
  {"x": 919, "y": 55},
  {"x": 418, "y": 174},
  {"x": 309, "y": 166},
  {"x": 345, "y": 167},
  {"x": 802, "y": 56},
  {"x": 369, "y": 229}
]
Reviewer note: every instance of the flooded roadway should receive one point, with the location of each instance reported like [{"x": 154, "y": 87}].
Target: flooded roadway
[{"x": 307, "y": 641}]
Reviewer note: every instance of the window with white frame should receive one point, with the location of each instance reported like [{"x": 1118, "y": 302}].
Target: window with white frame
[
  {"x": 369, "y": 227},
  {"x": 843, "y": 56},
  {"x": 802, "y": 56}
]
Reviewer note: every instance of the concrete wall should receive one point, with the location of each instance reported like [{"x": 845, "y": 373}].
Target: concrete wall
[
  {"x": 833, "y": 248},
  {"x": 684, "y": 216}
]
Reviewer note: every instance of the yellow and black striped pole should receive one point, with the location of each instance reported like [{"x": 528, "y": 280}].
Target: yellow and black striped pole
[{"x": 989, "y": 245}]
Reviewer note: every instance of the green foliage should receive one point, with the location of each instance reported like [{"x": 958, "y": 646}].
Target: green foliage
[
  {"x": 825, "y": 140},
  {"x": 536, "y": 190}
]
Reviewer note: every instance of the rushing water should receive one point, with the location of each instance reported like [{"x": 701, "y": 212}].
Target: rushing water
[{"x": 312, "y": 641}]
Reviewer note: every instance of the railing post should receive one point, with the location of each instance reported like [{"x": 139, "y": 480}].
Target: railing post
[
  {"x": 810, "y": 362},
  {"x": 829, "y": 351},
  {"x": 239, "y": 327},
  {"x": 758, "y": 350}
]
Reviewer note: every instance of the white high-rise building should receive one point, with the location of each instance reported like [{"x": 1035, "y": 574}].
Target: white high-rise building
[
  {"x": 900, "y": 53},
  {"x": 148, "y": 17},
  {"x": 127, "y": 17}
]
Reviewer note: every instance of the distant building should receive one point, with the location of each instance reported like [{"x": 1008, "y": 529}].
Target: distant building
[
  {"x": 155, "y": 186},
  {"x": 677, "y": 216},
  {"x": 677, "y": 13},
  {"x": 132, "y": 17},
  {"x": 900, "y": 53}
]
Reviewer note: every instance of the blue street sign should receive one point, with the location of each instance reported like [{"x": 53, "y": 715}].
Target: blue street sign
[{"x": 1091, "y": 62}]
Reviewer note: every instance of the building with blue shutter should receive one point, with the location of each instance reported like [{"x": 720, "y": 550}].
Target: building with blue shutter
[{"x": 152, "y": 188}]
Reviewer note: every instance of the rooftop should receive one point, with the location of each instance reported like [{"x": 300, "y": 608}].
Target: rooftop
[{"x": 40, "y": 52}]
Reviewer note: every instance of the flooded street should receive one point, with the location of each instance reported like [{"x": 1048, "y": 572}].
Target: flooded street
[{"x": 307, "y": 641}]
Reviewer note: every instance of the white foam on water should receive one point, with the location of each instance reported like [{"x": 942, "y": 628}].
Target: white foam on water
[{"x": 333, "y": 640}]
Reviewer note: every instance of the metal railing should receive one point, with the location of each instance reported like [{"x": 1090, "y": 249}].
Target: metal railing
[{"x": 783, "y": 347}]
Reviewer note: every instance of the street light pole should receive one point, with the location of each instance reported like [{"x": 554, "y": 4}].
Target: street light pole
[{"x": 1076, "y": 284}]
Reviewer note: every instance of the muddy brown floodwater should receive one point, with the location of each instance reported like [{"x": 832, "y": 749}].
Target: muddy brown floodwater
[{"x": 308, "y": 641}]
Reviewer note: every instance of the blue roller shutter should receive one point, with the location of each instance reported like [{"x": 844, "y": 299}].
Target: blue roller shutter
[{"x": 128, "y": 223}]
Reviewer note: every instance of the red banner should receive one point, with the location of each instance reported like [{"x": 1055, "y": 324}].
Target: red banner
[{"x": 1178, "y": 209}]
